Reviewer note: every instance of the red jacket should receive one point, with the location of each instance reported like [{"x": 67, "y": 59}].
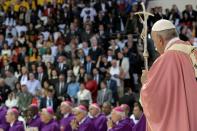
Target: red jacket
[{"x": 93, "y": 88}]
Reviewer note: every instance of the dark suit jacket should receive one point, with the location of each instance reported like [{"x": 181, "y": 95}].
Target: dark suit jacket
[
  {"x": 63, "y": 70},
  {"x": 63, "y": 90},
  {"x": 44, "y": 77},
  {"x": 43, "y": 103},
  {"x": 98, "y": 6},
  {"x": 104, "y": 98},
  {"x": 95, "y": 54},
  {"x": 92, "y": 66}
]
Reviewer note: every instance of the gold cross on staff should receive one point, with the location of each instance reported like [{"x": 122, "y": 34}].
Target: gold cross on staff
[{"x": 144, "y": 32}]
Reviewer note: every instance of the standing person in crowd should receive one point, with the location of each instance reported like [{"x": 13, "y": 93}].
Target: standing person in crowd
[
  {"x": 73, "y": 88},
  {"x": 84, "y": 95},
  {"x": 49, "y": 123},
  {"x": 33, "y": 85},
  {"x": 92, "y": 86},
  {"x": 10, "y": 79},
  {"x": 12, "y": 118},
  {"x": 66, "y": 111},
  {"x": 82, "y": 122},
  {"x": 105, "y": 94},
  {"x": 99, "y": 119},
  {"x": 23, "y": 78},
  {"x": 115, "y": 71},
  {"x": 24, "y": 98},
  {"x": 49, "y": 100},
  {"x": 61, "y": 87}
]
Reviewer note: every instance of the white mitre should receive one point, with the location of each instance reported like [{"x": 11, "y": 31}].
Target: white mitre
[{"x": 162, "y": 25}]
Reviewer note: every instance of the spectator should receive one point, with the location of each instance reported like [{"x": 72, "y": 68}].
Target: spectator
[
  {"x": 33, "y": 85},
  {"x": 84, "y": 95},
  {"x": 10, "y": 79},
  {"x": 104, "y": 95},
  {"x": 24, "y": 98},
  {"x": 4, "y": 90},
  {"x": 12, "y": 100},
  {"x": 73, "y": 88},
  {"x": 92, "y": 86},
  {"x": 49, "y": 101}
]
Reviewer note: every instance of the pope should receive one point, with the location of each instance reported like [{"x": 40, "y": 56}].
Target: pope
[{"x": 168, "y": 95}]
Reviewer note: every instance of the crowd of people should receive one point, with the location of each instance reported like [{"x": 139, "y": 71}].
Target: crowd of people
[{"x": 79, "y": 51}]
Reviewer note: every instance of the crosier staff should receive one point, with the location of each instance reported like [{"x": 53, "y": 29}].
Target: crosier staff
[{"x": 144, "y": 32}]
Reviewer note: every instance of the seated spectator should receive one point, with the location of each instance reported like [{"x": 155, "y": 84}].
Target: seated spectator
[
  {"x": 33, "y": 85},
  {"x": 104, "y": 94},
  {"x": 24, "y": 98},
  {"x": 84, "y": 95},
  {"x": 12, "y": 100}
]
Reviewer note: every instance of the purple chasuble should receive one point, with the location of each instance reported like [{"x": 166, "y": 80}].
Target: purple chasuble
[
  {"x": 141, "y": 125},
  {"x": 123, "y": 125},
  {"x": 17, "y": 126},
  {"x": 3, "y": 124},
  {"x": 87, "y": 125},
  {"x": 50, "y": 126},
  {"x": 100, "y": 122},
  {"x": 65, "y": 123},
  {"x": 35, "y": 122}
]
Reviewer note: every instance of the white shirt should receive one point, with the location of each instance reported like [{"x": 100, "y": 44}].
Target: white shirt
[
  {"x": 24, "y": 79},
  {"x": 33, "y": 86},
  {"x": 11, "y": 103},
  {"x": 84, "y": 95},
  {"x": 88, "y": 12},
  {"x": 134, "y": 120},
  {"x": 115, "y": 71}
]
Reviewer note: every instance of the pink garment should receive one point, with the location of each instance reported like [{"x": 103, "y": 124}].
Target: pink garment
[{"x": 169, "y": 96}]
